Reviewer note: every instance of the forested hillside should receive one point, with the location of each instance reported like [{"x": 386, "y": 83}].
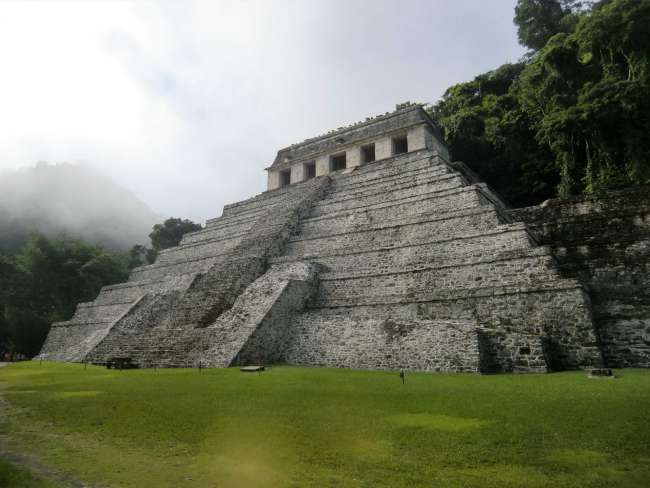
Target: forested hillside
[
  {"x": 572, "y": 117},
  {"x": 72, "y": 199},
  {"x": 48, "y": 277}
]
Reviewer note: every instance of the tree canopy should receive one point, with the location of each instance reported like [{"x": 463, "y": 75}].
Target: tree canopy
[
  {"x": 170, "y": 232},
  {"x": 571, "y": 118},
  {"x": 48, "y": 277},
  {"x": 539, "y": 20},
  {"x": 486, "y": 128},
  {"x": 587, "y": 94},
  {"x": 45, "y": 281}
]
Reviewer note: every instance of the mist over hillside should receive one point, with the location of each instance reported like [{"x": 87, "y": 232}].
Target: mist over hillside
[{"x": 72, "y": 199}]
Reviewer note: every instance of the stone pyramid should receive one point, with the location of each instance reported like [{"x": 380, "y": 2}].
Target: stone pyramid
[{"x": 369, "y": 250}]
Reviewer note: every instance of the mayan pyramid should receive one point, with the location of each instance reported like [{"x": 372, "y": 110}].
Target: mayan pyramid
[{"x": 370, "y": 249}]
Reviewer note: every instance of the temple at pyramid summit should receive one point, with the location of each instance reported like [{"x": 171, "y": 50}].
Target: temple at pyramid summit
[{"x": 372, "y": 249}]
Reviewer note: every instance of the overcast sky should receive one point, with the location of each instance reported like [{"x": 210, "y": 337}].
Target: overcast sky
[{"x": 185, "y": 103}]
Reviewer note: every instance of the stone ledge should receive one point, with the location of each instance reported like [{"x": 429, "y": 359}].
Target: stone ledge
[
  {"x": 510, "y": 228},
  {"x": 223, "y": 231},
  {"x": 364, "y": 181},
  {"x": 221, "y": 223},
  {"x": 517, "y": 254},
  {"x": 130, "y": 284},
  {"x": 269, "y": 194},
  {"x": 470, "y": 293},
  {"x": 435, "y": 195},
  {"x": 419, "y": 220},
  {"x": 428, "y": 173},
  {"x": 225, "y": 221},
  {"x": 73, "y": 323},
  {"x": 96, "y": 305},
  {"x": 406, "y": 186},
  {"x": 203, "y": 242},
  {"x": 391, "y": 168}
]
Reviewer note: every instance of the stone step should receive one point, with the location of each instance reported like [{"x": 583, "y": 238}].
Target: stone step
[
  {"x": 347, "y": 200},
  {"x": 416, "y": 176},
  {"x": 256, "y": 210},
  {"x": 268, "y": 198},
  {"x": 528, "y": 269},
  {"x": 198, "y": 250},
  {"x": 127, "y": 293},
  {"x": 100, "y": 313},
  {"x": 87, "y": 323},
  {"x": 450, "y": 232},
  {"x": 455, "y": 296},
  {"x": 398, "y": 261},
  {"x": 413, "y": 169},
  {"x": 437, "y": 201},
  {"x": 484, "y": 217},
  {"x": 132, "y": 290},
  {"x": 389, "y": 168},
  {"x": 209, "y": 234},
  {"x": 259, "y": 210},
  {"x": 177, "y": 269},
  {"x": 223, "y": 221},
  {"x": 411, "y": 254}
]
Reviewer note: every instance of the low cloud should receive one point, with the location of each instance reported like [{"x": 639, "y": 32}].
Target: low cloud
[{"x": 70, "y": 199}]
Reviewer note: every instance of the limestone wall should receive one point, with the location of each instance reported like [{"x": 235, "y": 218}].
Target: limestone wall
[
  {"x": 156, "y": 315},
  {"x": 403, "y": 245},
  {"x": 171, "y": 318},
  {"x": 604, "y": 241},
  {"x": 343, "y": 340},
  {"x": 408, "y": 262},
  {"x": 400, "y": 120},
  {"x": 255, "y": 324},
  {"x": 408, "y": 129}
]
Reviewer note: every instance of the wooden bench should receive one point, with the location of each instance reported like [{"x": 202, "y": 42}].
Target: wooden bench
[{"x": 121, "y": 363}]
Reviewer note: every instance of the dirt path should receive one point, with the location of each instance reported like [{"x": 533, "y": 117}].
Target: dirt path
[{"x": 30, "y": 462}]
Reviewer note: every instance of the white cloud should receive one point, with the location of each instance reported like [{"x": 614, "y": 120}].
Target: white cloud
[{"x": 186, "y": 102}]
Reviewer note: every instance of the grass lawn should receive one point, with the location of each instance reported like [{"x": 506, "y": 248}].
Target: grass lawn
[{"x": 304, "y": 427}]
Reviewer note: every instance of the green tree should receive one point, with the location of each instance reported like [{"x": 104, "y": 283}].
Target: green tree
[
  {"x": 66, "y": 271},
  {"x": 539, "y": 20},
  {"x": 169, "y": 233},
  {"x": 13, "y": 289},
  {"x": 44, "y": 283},
  {"x": 587, "y": 93},
  {"x": 140, "y": 255},
  {"x": 485, "y": 128}
]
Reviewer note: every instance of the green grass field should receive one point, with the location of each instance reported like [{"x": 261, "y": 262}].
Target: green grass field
[{"x": 304, "y": 427}]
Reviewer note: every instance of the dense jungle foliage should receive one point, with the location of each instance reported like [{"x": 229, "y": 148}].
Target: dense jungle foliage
[
  {"x": 44, "y": 282},
  {"x": 572, "y": 117}
]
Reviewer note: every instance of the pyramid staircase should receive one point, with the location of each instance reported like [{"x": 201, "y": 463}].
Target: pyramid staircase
[{"x": 406, "y": 262}]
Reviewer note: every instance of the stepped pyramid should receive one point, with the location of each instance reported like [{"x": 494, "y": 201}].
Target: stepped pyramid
[{"x": 370, "y": 249}]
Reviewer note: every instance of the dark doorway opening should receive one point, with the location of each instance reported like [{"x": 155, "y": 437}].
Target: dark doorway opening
[
  {"x": 310, "y": 170},
  {"x": 285, "y": 177},
  {"x": 367, "y": 153},
  {"x": 400, "y": 145},
  {"x": 338, "y": 162}
]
